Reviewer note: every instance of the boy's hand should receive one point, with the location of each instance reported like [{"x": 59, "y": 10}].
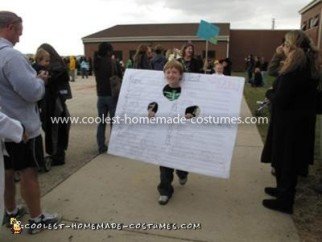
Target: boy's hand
[
  {"x": 188, "y": 116},
  {"x": 151, "y": 114}
]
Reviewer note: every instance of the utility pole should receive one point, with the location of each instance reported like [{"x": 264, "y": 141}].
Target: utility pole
[{"x": 273, "y": 23}]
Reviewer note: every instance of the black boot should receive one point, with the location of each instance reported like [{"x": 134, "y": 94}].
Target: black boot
[
  {"x": 59, "y": 158},
  {"x": 272, "y": 191},
  {"x": 278, "y": 205}
]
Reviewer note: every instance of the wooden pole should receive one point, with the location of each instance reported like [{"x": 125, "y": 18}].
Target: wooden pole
[{"x": 206, "y": 58}]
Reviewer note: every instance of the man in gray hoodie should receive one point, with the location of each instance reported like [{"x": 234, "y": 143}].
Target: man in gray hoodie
[{"x": 20, "y": 89}]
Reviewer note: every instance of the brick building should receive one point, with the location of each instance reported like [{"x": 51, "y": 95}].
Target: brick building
[
  {"x": 310, "y": 21},
  {"x": 235, "y": 44}
]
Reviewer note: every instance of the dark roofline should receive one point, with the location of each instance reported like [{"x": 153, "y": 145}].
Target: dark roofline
[{"x": 150, "y": 24}]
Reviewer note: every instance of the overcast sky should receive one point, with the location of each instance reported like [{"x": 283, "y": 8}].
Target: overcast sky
[{"x": 62, "y": 23}]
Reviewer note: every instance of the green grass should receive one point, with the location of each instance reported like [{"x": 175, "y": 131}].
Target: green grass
[{"x": 254, "y": 94}]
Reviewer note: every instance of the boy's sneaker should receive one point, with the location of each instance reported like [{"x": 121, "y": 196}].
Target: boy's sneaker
[
  {"x": 45, "y": 220},
  {"x": 7, "y": 217},
  {"x": 163, "y": 200},
  {"x": 183, "y": 181}
]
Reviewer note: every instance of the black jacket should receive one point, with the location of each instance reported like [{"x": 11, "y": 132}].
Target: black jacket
[
  {"x": 104, "y": 68},
  {"x": 158, "y": 62},
  {"x": 195, "y": 66},
  {"x": 290, "y": 140},
  {"x": 53, "y": 105}
]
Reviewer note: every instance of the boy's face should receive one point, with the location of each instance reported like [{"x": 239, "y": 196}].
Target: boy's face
[
  {"x": 45, "y": 62},
  {"x": 173, "y": 76}
]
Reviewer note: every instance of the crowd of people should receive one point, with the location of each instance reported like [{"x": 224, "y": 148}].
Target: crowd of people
[
  {"x": 256, "y": 69},
  {"x": 32, "y": 94}
]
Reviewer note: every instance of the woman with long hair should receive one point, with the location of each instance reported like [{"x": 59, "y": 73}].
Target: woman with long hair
[
  {"x": 189, "y": 62},
  {"x": 54, "y": 105},
  {"x": 142, "y": 57},
  {"x": 290, "y": 140}
]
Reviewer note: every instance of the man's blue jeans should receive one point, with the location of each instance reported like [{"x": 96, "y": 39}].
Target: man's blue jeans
[{"x": 105, "y": 105}]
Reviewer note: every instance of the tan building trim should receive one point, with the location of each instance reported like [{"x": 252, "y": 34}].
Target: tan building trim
[
  {"x": 149, "y": 38},
  {"x": 309, "y": 6},
  {"x": 319, "y": 31}
]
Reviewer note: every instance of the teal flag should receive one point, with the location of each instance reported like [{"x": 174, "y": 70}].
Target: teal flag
[{"x": 208, "y": 31}]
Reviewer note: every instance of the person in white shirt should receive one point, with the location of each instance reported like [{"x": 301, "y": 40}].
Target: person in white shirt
[{"x": 13, "y": 130}]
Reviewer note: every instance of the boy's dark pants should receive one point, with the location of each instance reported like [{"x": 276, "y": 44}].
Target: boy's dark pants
[{"x": 166, "y": 177}]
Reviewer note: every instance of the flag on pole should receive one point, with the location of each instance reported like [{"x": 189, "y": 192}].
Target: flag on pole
[{"x": 208, "y": 31}]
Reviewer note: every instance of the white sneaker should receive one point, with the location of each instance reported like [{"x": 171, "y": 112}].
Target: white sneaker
[
  {"x": 163, "y": 200},
  {"x": 45, "y": 219}
]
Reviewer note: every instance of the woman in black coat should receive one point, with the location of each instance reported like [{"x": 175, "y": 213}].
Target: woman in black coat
[
  {"x": 289, "y": 146},
  {"x": 54, "y": 105}
]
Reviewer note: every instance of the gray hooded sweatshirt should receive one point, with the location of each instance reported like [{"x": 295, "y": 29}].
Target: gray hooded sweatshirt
[{"x": 20, "y": 89}]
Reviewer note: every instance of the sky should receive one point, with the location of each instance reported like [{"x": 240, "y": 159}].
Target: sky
[{"x": 62, "y": 23}]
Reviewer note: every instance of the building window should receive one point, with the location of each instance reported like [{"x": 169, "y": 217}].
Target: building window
[
  {"x": 118, "y": 54},
  {"x": 315, "y": 21},
  {"x": 304, "y": 26},
  {"x": 211, "y": 54}
]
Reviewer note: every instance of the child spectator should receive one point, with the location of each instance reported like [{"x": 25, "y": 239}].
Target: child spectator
[
  {"x": 219, "y": 68},
  {"x": 84, "y": 65},
  {"x": 42, "y": 61},
  {"x": 258, "y": 79}
]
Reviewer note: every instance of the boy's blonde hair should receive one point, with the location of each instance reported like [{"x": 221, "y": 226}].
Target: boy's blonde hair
[
  {"x": 41, "y": 54},
  {"x": 173, "y": 64}
]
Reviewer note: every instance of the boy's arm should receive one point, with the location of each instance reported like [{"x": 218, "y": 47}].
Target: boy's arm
[
  {"x": 152, "y": 109},
  {"x": 192, "y": 112}
]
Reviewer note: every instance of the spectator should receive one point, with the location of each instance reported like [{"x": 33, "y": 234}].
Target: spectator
[
  {"x": 72, "y": 67},
  {"x": 9, "y": 129},
  {"x": 257, "y": 62},
  {"x": 190, "y": 64},
  {"x": 263, "y": 68},
  {"x": 20, "y": 89},
  {"x": 219, "y": 68},
  {"x": 258, "y": 79},
  {"x": 84, "y": 65},
  {"x": 42, "y": 61},
  {"x": 159, "y": 59},
  {"x": 57, "y": 92},
  {"x": 142, "y": 57},
  {"x": 227, "y": 66},
  {"x": 104, "y": 68},
  {"x": 250, "y": 65},
  {"x": 289, "y": 144},
  {"x": 129, "y": 63}
]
